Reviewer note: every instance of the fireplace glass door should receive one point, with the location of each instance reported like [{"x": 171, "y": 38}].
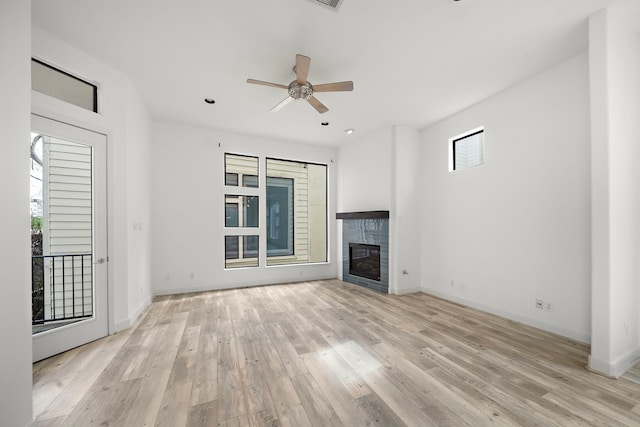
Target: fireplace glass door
[{"x": 364, "y": 260}]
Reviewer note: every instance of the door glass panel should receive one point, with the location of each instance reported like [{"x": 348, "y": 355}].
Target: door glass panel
[
  {"x": 61, "y": 232},
  {"x": 69, "y": 236}
]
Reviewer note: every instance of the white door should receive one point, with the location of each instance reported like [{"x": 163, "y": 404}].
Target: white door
[{"x": 69, "y": 236}]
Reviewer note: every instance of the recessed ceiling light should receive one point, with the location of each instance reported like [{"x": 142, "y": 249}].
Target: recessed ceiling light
[
  {"x": 348, "y": 131},
  {"x": 210, "y": 100},
  {"x": 325, "y": 123}
]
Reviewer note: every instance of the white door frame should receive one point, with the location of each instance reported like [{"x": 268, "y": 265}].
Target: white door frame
[{"x": 57, "y": 340}]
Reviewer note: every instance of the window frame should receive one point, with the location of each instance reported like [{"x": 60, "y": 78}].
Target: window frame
[
  {"x": 452, "y": 148},
  {"x": 295, "y": 192},
  {"x": 93, "y": 87},
  {"x": 314, "y": 177},
  {"x": 238, "y": 194}
]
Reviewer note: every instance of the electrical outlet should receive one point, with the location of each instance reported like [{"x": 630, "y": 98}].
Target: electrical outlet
[
  {"x": 539, "y": 304},
  {"x": 548, "y": 307}
]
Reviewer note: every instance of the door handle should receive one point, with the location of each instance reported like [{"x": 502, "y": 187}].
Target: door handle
[{"x": 100, "y": 261}]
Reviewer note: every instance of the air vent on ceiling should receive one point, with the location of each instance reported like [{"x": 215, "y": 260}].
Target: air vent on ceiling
[{"x": 329, "y": 4}]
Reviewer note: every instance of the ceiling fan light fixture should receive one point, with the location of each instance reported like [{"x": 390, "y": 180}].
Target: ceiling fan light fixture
[{"x": 298, "y": 91}]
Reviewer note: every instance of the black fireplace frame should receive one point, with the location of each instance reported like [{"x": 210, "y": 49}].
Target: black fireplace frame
[{"x": 373, "y": 251}]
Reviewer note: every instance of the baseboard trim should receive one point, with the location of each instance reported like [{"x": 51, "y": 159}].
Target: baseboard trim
[
  {"x": 227, "y": 286},
  {"x": 568, "y": 333},
  {"x": 408, "y": 290},
  {"x": 133, "y": 317},
  {"x": 615, "y": 369}
]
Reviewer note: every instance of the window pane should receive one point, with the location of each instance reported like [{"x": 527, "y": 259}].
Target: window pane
[
  {"x": 250, "y": 181},
  {"x": 245, "y": 245},
  {"x": 241, "y": 166},
  {"x": 468, "y": 151},
  {"x": 250, "y": 211},
  {"x": 247, "y": 216},
  {"x": 231, "y": 247},
  {"x": 279, "y": 216},
  {"x": 296, "y": 212},
  {"x": 231, "y": 179},
  {"x": 250, "y": 247},
  {"x": 63, "y": 86},
  {"x": 231, "y": 215}
]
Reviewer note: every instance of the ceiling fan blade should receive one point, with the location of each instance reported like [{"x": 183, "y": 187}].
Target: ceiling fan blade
[
  {"x": 302, "y": 68},
  {"x": 284, "y": 102},
  {"x": 334, "y": 87},
  {"x": 319, "y": 106},
  {"x": 260, "y": 82}
]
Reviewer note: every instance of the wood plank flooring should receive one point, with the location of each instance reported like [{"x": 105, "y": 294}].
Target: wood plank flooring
[{"x": 326, "y": 353}]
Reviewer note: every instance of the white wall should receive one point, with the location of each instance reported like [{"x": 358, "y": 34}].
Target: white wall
[
  {"x": 405, "y": 215},
  {"x": 138, "y": 158},
  {"x": 380, "y": 171},
  {"x": 188, "y": 209},
  {"x": 499, "y": 236},
  {"x": 365, "y": 172},
  {"x": 365, "y": 178},
  {"x": 15, "y": 267},
  {"x": 123, "y": 118},
  {"x": 615, "y": 87}
]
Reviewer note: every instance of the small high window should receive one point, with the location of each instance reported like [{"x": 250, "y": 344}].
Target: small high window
[
  {"x": 63, "y": 86},
  {"x": 466, "y": 150}
]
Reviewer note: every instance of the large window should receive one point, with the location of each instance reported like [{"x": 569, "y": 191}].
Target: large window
[
  {"x": 296, "y": 217},
  {"x": 466, "y": 150},
  {"x": 292, "y": 221},
  {"x": 241, "y": 211}
]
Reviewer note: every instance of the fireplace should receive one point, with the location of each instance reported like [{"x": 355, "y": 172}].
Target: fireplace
[
  {"x": 364, "y": 261},
  {"x": 365, "y": 249}
]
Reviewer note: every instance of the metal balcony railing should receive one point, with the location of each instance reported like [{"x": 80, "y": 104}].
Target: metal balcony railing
[{"x": 61, "y": 287}]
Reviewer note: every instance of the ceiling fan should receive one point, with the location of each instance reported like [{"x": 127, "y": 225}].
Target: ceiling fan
[{"x": 301, "y": 88}]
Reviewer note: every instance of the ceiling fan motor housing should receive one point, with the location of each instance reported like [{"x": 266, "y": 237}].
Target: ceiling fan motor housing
[{"x": 300, "y": 91}]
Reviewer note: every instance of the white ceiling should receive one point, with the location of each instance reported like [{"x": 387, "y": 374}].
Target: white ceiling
[{"x": 413, "y": 62}]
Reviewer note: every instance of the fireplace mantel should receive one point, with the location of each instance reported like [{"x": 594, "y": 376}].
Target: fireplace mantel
[{"x": 363, "y": 215}]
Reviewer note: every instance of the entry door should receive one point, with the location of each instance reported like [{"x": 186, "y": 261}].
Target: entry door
[{"x": 69, "y": 236}]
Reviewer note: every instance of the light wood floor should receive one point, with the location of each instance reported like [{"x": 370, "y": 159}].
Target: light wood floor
[{"x": 326, "y": 353}]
